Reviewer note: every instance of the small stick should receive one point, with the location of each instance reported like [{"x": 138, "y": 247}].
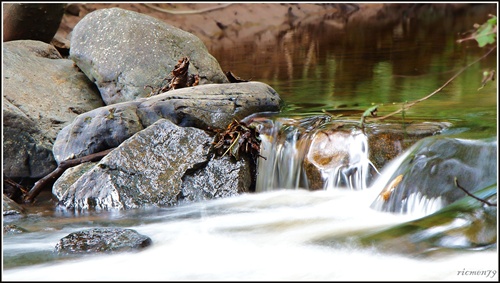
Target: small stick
[
  {"x": 16, "y": 185},
  {"x": 176, "y": 12},
  {"x": 410, "y": 104},
  {"x": 473, "y": 196}
]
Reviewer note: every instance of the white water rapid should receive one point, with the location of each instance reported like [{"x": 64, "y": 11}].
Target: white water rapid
[
  {"x": 265, "y": 236},
  {"x": 282, "y": 232}
]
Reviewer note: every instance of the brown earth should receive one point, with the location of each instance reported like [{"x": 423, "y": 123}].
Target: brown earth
[{"x": 229, "y": 24}]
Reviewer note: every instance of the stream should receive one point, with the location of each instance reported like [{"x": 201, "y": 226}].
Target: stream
[{"x": 284, "y": 231}]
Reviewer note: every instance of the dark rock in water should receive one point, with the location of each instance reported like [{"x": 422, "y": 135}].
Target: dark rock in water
[
  {"x": 102, "y": 240},
  {"x": 10, "y": 207},
  {"x": 13, "y": 229},
  {"x": 425, "y": 179},
  {"x": 34, "y": 21}
]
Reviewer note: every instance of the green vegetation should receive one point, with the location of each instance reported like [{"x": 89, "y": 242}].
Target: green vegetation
[{"x": 484, "y": 34}]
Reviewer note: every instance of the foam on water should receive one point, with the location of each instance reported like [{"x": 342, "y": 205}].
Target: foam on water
[
  {"x": 270, "y": 235},
  {"x": 266, "y": 236}
]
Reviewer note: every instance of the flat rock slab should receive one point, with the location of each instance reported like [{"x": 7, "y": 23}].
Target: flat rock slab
[{"x": 203, "y": 106}]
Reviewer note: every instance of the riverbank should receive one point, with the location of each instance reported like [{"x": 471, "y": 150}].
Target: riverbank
[{"x": 229, "y": 24}]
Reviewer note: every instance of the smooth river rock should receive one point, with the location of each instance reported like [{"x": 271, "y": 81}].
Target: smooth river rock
[
  {"x": 204, "y": 106},
  {"x": 42, "y": 93},
  {"x": 123, "y": 51}
]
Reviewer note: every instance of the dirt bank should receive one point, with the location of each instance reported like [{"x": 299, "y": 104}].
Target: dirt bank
[{"x": 227, "y": 24}]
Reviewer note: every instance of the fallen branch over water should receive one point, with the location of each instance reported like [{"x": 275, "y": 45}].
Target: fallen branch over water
[
  {"x": 473, "y": 196},
  {"x": 408, "y": 105},
  {"x": 42, "y": 183}
]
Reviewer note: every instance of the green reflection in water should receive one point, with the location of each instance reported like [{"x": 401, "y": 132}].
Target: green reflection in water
[{"x": 319, "y": 67}]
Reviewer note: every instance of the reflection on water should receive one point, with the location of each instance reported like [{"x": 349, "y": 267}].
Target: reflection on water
[{"x": 316, "y": 67}]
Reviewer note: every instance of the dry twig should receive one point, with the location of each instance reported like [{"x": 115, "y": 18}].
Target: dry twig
[{"x": 40, "y": 184}]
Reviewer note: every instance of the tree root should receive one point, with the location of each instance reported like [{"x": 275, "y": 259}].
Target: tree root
[{"x": 186, "y": 12}]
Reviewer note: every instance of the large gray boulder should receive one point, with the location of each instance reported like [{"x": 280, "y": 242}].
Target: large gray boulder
[
  {"x": 158, "y": 166},
  {"x": 203, "y": 106},
  {"x": 123, "y": 51},
  {"x": 42, "y": 93}
]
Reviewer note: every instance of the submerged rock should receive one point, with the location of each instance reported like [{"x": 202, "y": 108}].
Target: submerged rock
[
  {"x": 323, "y": 154},
  {"x": 13, "y": 229},
  {"x": 338, "y": 158},
  {"x": 425, "y": 178},
  {"x": 465, "y": 224},
  {"x": 102, "y": 240}
]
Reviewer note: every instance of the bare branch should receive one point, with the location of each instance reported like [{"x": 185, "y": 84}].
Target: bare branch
[
  {"x": 175, "y": 12},
  {"x": 412, "y": 103},
  {"x": 16, "y": 185},
  {"x": 473, "y": 196},
  {"x": 40, "y": 184}
]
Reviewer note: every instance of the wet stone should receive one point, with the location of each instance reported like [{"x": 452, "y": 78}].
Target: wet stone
[
  {"x": 13, "y": 229},
  {"x": 102, "y": 240},
  {"x": 10, "y": 207},
  {"x": 338, "y": 158},
  {"x": 387, "y": 141},
  {"x": 434, "y": 164}
]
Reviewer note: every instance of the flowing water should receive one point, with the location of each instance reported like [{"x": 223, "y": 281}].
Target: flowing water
[{"x": 284, "y": 231}]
